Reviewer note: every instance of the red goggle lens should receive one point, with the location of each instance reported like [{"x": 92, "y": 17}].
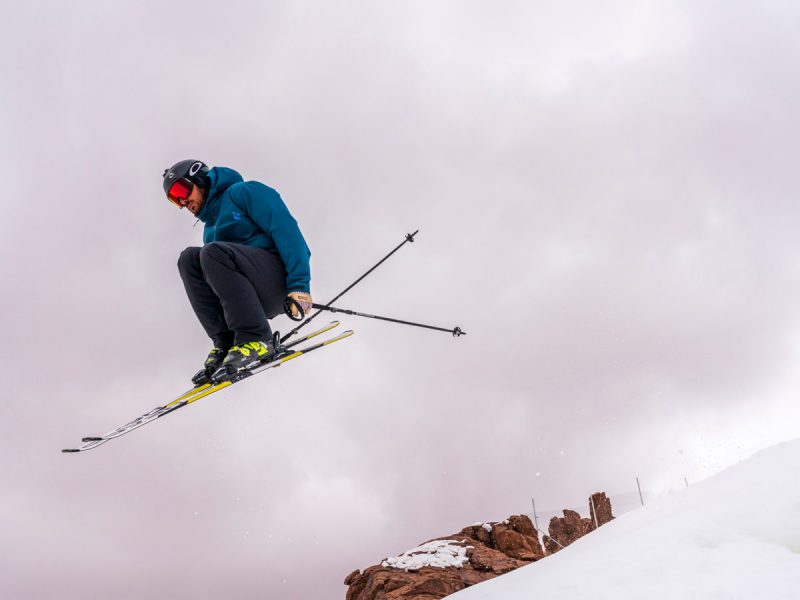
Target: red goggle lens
[{"x": 180, "y": 190}]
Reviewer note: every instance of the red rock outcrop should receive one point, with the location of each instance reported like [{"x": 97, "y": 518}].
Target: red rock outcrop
[
  {"x": 565, "y": 530},
  {"x": 443, "y": 566},
  {"x": 600, "y": 504},
  {"x": 477, "y": 553}
]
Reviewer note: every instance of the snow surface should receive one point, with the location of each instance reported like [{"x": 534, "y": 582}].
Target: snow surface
[
  {"x": 438, "y": 553},
  {"x": 734, "y": 536}
]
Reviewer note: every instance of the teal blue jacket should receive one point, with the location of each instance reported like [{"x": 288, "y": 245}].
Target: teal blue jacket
[{"x": 253, "y": 214}]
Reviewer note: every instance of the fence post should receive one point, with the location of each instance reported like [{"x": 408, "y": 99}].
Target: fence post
[
  {"x": 640, "y": 491},
  {"x": 594, "y": 512}
]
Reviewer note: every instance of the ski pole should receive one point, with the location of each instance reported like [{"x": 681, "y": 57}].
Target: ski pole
[
  {"x": 456, "y": 331},
  {"x": 409, "y": 238}
]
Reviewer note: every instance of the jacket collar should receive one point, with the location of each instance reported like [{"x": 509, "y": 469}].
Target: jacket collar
[{"x": 220, "y": 179}]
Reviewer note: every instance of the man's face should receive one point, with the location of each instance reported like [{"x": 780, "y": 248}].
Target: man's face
[{"x": 195, "y": 200}]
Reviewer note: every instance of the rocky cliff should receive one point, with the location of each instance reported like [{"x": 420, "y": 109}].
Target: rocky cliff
[
  {"x": 565, "y": 530},
  {"x": 445, "y": 565}
]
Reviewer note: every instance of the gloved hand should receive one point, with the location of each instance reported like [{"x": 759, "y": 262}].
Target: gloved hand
[{"x": 303, "y": 299}]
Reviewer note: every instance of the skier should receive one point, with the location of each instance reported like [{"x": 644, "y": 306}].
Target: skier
[
  {"x": 253, "y": 253},
  {"x": 253, "y": 257}
]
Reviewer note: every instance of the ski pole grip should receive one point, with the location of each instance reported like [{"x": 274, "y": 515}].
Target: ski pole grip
[{"x": 287, "y": 308}]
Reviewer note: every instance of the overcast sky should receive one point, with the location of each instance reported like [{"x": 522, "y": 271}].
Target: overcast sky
[{"x": 607, "y": 201}]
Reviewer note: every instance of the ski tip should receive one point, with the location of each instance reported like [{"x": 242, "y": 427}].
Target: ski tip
[
  {"x": 70, "y": 450},
  {"x": 92, "y": 439}
]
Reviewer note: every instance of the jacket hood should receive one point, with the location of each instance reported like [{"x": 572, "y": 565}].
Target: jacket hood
[{"x": 220, "y": 178}]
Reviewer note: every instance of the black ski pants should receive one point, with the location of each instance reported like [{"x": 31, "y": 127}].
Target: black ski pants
[{"x": 233, "y": 290}]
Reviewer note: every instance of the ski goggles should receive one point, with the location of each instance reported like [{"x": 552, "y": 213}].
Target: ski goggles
[{"x": 180, "y": 190}]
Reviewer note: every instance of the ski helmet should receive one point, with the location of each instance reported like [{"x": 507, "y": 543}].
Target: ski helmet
[{"x": 195, "y": 171}]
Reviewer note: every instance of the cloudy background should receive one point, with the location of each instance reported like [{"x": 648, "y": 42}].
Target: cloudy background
[{"x": 607, "y": 199}]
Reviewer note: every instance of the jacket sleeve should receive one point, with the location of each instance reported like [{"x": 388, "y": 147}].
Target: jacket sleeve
[{"x": 267, "y": 210}]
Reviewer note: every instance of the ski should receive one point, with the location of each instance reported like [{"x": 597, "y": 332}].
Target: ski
[
  {"x": 162, "y": 410},
  {"x": 313, "y": 334},
  {"x": 207, "y": 389}
]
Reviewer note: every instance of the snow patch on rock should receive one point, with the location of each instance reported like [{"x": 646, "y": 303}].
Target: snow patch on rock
[{"x": 438, "y": 553}]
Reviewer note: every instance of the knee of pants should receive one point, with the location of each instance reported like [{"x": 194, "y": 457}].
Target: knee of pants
[
  {"x": 189, "y": 259},
  {"x": 214, "y": 251}
]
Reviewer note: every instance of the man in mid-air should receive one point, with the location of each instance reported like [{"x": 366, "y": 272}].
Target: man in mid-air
[{"x": 253, "y": 257}]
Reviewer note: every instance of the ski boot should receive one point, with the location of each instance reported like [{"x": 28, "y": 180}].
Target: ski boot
[
  {"x": 243, "y": 357},
  {"x": 214, "y": 361}
]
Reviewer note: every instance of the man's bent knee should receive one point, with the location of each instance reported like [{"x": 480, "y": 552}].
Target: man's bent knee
[
  {"x": 188, "y": 259},
  {"x": 215, "y": 251}
]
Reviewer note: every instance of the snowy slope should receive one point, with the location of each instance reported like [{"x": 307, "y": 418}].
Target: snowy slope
[{"x": 735, "y": 535}]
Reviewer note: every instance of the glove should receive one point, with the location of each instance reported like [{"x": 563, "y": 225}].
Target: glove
[{"x": 303, "y": 299}]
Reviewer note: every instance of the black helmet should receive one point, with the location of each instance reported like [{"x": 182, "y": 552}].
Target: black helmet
[{"x": 195, "y": 171}]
